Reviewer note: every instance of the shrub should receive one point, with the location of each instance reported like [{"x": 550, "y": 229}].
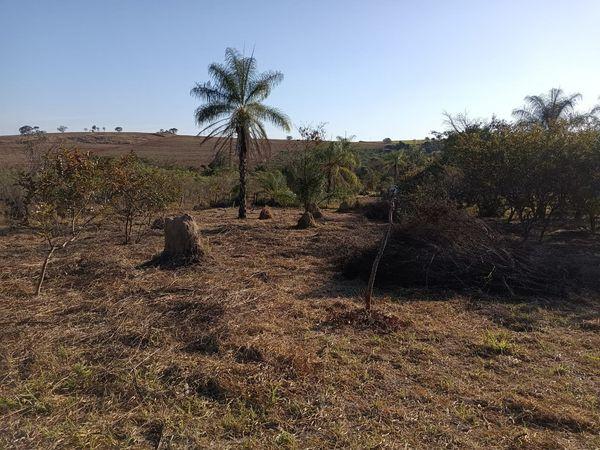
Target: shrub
[
  {"x": 533, "y": 173},
  {"x": 63, "y": 198},
  {"x": 137, "y": 192},
  {"x": 307, "y": 180},
  {"x": 220, "y": 189}
]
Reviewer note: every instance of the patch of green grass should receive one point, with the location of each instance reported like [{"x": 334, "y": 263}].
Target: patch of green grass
[
  {"x": 286, "y": 440},
  {"x": 239, "y": 420},
  {"x": 79, "y": 378},
  {"x": 466, "y": 413},
  {"x": 560, "y": 369},
  {"x": 8, "y": 404},
  {"x": 28, "y": 402},
  {"x": 498, "y": 343},
  {"x": 594, "y": 359}
]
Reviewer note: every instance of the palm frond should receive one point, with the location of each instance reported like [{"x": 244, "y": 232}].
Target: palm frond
[
  {"x": 209, "y": 93},
  {"x": 225, "y": 80},
  {"x": 547, "y": 109},
  {"x": 261, "y": 87},
  {"x": 211, "y": 112},
  {"x": 270, "y": 114}
]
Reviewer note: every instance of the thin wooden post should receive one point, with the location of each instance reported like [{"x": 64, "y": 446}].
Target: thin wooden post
[{"x": 382, "y": 245}]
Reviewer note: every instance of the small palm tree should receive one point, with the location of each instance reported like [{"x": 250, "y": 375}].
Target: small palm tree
[
  {"x": 338, "y": 161},
  {"x": 274, "y": 188},
  {"x": 233, "y": 108},
  {"x": 547, "y": 109},
  {"x": 395, "y": 161}
]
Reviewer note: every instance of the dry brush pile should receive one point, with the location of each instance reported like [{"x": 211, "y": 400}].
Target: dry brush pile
[{"x": 440, "y": 246}]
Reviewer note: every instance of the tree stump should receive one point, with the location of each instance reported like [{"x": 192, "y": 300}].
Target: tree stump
[
  {"x": 265, "y": 214},
  {"x": 182, "y": 241},
  {"x": 306, "y": 221}
]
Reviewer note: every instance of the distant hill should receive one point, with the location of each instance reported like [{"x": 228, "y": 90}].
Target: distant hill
[{"x": 179, "y": 150}]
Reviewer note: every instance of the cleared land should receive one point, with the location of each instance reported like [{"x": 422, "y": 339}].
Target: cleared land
[
  {"x": 184, "y": 151},
  {"x": 256, "y": 348}
]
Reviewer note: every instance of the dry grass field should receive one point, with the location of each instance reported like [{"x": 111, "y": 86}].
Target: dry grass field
[
  {"x": 258, "y": 346},
  {"x": 183, "y": 151}
]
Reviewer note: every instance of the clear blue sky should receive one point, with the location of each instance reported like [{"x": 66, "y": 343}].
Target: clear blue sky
[{"x": 373, "y": 68}]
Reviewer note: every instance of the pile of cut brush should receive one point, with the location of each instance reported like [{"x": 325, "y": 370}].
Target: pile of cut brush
[{"x": 444, "y": 247}]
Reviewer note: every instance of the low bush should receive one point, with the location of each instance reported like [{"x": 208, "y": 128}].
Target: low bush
[{"x": 137, "y": 192}]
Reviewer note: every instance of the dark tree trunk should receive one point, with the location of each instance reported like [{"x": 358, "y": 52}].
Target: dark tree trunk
[{"x": 243, "y": 154}]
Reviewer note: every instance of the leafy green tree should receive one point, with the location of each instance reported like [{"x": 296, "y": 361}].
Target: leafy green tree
[
  {"x": 535, "y": 173},
  {"x": 233, "y": 107},
  {"x": 26, "y": 129},
  {"x": 594, "y": 116}
]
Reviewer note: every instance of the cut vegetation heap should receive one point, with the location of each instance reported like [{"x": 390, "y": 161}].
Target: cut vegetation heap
[{"x": 443, "y": 247}]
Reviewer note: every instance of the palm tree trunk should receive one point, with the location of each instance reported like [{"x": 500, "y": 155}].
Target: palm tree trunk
[{"x": 243, "y": 154}]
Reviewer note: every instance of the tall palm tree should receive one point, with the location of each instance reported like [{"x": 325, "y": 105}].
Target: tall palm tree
[
  {"x": 547, "y": 109},
  {"x": 232, "y": 107}
]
